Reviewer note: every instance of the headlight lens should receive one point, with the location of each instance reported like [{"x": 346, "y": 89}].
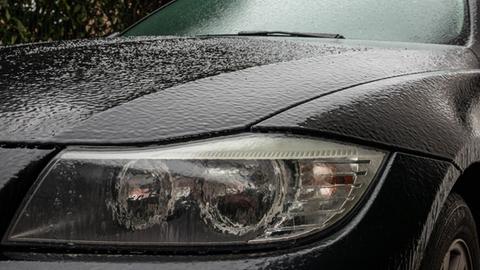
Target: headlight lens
[{"x": 235, "y": 190}]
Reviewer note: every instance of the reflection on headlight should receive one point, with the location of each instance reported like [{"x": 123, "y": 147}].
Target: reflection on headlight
[{"x": 241, "y": 189}]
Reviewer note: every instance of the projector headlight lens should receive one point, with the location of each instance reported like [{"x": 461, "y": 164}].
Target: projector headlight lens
[{"x": 234, "y": 190}]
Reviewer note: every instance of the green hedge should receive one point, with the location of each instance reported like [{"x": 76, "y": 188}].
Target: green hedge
[{"x": 45, "y": 20}]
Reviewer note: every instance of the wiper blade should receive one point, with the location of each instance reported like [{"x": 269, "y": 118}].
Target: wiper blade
[
  {"x": 290, "y": 34},
  {"x": 277, "y": 34}
]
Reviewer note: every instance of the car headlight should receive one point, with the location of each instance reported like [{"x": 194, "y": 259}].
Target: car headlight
[{"x": 244, "y": 189}]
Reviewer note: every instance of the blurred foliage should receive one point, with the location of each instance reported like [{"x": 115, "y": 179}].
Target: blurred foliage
[{"x": 45, "y": 20}]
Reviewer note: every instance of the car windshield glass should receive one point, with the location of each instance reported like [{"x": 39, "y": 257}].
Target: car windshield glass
[{"x": 424, "y": 21}]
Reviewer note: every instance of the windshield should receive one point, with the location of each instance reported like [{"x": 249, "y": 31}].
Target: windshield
[{"x": 424, "y": 21}]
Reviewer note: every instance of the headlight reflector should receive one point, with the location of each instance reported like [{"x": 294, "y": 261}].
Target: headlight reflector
[{"x": 233, "y": 190}]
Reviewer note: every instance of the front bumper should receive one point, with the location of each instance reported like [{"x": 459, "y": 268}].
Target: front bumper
[{"x": 389, "y": 231}]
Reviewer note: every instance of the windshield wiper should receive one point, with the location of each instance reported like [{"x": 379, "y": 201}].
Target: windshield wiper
[
  {"x": 289, "y": 34},
  {"x": 278, "y": 34}
]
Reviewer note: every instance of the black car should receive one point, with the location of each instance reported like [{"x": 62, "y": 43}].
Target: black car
[{"x": 229, "y": 134}]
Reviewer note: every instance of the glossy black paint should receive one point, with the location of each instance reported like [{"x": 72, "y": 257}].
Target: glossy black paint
[
  {"x": 46, "y": 88},
  {"x": 430, "y": 114},
  {"x": 90, "y": 92},
  {"x": 239, "y": 99},
  {"x": 389, "y": 232}
]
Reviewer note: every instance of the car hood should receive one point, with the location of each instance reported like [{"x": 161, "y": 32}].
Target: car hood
[{"x": 145, "y": 90}]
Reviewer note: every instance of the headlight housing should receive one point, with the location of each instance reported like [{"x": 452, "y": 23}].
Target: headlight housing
[{"x": 247, "y": 189}]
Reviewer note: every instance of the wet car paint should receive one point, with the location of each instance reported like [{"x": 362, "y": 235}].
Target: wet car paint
[
  {"x": 49, "y": 87},
  {"x": 91, "y": 92},
  {"x": 433, "y": 114}
]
